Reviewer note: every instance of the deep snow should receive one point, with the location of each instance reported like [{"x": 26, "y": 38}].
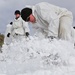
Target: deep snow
[{"x": 38, "y": 57}]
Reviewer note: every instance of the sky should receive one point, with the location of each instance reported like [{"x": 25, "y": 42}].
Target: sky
[{"x": 7, "y": 8}]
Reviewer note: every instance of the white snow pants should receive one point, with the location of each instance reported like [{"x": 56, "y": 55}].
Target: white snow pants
[{"x": 65, "y": 26}]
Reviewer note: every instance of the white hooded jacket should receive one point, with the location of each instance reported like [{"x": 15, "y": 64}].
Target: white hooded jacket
[
  {"x": 19, "y": 27},
  {"x": 48, "y": 16}
]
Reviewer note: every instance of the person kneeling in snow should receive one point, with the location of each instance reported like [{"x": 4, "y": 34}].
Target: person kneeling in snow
[
  {"x": 49, "y": 19},
  {"x": 19, "y": 28}
]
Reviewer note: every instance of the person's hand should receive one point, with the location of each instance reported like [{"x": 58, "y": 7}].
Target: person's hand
[
  {"x": 8, "y": 35},
  {"x": 51, "y": 37},
  {"x": 27, "y": 34}
]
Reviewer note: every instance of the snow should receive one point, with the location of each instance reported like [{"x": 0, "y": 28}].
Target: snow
[{"x": 36, "y": 56}]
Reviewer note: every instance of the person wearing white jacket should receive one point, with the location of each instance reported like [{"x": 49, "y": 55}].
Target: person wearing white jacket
[
  {"x": 51, "y": 20},
  {"x": 19, "y": 28}
]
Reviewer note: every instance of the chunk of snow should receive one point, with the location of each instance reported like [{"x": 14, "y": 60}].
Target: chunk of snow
[{"x": 36, "y": 56}]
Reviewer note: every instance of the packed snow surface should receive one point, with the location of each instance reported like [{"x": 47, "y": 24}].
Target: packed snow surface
[{"x": 36, "y": 56}]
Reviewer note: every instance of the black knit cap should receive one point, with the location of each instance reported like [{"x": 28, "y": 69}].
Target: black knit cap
[
  {"x": 26, "y": 12},
  {"x": 17, "y": 12}
]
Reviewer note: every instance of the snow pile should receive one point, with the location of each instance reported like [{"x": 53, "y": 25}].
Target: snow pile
[{"x": 39, "y": 57}]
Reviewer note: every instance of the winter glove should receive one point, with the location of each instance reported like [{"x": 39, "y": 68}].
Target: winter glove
[
  {"x": 11, "y": 23},
  {"x": 27, "y": 34},
  {"x": 74, "y": 27},
  {"x": 8, "y": 35},
  {"x": 51, "y": 37}
]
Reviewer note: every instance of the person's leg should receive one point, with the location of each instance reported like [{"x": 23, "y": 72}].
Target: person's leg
[{"x": 65, "y": 27}]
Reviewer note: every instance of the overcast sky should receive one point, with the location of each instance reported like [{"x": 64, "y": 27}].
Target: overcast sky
[{"x": 7, "y": 8}]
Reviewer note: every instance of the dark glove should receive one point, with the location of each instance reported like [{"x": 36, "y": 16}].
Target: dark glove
[
  {"x": 11, "y": 23},
  {"x": 51, "y": 37},
  {"x": 27, "y": 34},
  {"x": 8, "y": 35},
  {"x": 74, "y": 27}
]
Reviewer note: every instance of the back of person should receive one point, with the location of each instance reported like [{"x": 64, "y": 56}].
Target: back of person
[{"x": 48, "y": 8}]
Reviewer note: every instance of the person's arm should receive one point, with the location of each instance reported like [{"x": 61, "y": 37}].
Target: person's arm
[
  {"x": 53, "y": 27},
  {"x": 9, "y": 30},
  {"x": 52, "y": 20},
  {"x": 26, "y": 28},
  {"x": 49, "y": 16}
]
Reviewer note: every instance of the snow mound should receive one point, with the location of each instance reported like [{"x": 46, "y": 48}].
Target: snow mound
[{"x": 36, "y": 56}]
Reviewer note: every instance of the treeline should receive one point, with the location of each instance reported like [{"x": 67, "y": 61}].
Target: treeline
[{"x": 1, "y": 39}]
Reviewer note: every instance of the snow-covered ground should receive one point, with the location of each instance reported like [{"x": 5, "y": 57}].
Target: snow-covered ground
[{"x": 38, "y": 57}]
